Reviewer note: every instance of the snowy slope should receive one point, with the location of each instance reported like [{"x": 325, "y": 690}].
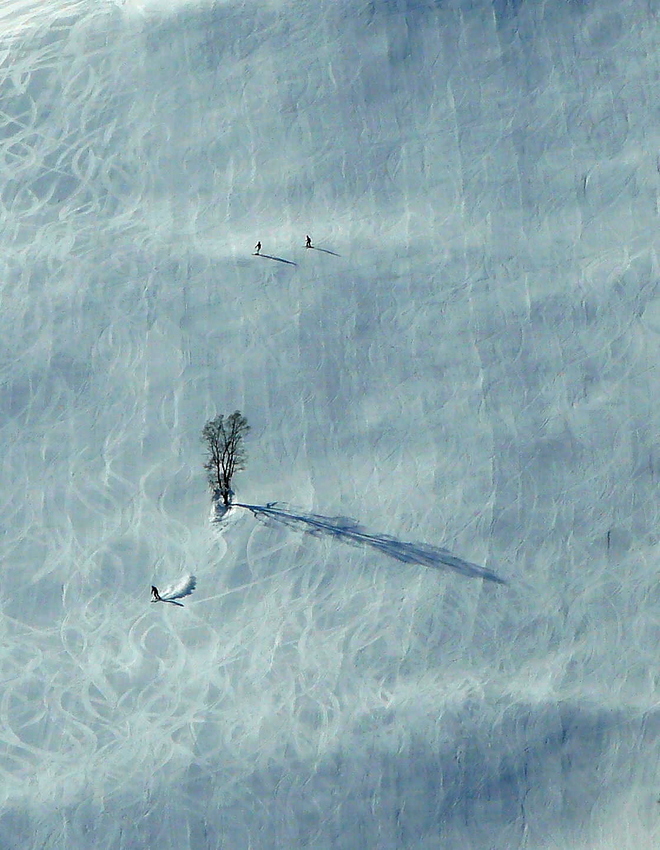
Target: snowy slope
[{"x": 444, "y": 634}]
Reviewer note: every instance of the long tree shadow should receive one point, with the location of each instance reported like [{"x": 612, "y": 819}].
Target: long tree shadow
[
  {"x": 347, "y": 530},
  {"x": 279, "y": 259}
]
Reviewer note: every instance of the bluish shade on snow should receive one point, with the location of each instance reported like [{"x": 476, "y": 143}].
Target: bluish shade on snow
[{"x": 468, "y": 358}]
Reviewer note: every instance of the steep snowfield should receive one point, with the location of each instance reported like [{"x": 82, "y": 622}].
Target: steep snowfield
[{"x": 444, "y": 634}]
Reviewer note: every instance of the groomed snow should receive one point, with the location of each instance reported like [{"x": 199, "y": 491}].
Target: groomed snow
[{"x": 435, "y": 625}]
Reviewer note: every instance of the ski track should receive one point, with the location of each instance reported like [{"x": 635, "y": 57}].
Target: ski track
[{"x": 469, "y": 361}]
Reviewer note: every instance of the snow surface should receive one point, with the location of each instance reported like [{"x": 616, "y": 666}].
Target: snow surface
[{"x": 467, "y": 364}]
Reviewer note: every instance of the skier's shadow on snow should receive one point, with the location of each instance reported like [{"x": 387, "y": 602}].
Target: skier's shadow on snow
[
  {"x": 279, "y": 259},
  {"x": 325, "y": 250},
  {"x": 349, "y": 531}
]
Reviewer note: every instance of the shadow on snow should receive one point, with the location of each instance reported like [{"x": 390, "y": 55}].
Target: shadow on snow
[
  {"x": 279, "y": 259},
  {"x": 325, "y": 250},
  {"x": 349, "y": 531}
]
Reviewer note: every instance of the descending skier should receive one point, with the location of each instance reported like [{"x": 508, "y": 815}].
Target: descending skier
[
  {"x": 184, "y": 587},
  {"x": 308, "y": 242},
  {"x": 257, "y": 248}
]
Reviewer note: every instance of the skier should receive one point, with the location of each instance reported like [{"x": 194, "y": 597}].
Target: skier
[
  {"x": 308, "y": 242},
  {"x": 257, "y": 248},
  {"x": 158, "y": 598}
]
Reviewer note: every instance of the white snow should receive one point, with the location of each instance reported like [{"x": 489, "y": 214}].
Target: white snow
[
  {"x": 444, "y": 632},
  {"x": 179, "y": 589}
]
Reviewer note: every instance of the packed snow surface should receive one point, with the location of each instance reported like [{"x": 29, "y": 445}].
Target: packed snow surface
[{"x": 432, "y": 618}]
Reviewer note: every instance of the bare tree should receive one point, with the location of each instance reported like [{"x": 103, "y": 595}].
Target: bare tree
[{"x": 223, "y": 437}]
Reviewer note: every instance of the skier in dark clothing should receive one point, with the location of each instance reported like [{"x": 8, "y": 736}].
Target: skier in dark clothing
[
  {"x": 308, "y": 242},
  {"x": 257, "y": 248},
  {"x": 158, "y": 598}
]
